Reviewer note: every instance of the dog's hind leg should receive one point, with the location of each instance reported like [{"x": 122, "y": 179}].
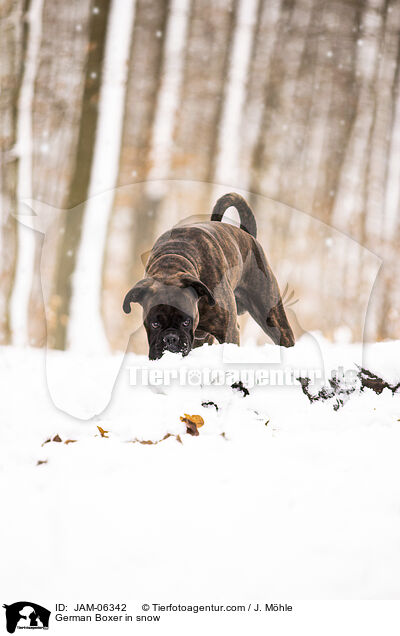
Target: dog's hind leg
[{"x": 261, "y": 296}]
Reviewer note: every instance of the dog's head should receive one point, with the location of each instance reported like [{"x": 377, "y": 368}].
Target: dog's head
[{"x": 170, "y": 311}]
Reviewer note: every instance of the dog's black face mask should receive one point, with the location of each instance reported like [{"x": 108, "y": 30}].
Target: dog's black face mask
[
  {"x": 168, "y": 329},
  {"x": 170, "y": 311}
]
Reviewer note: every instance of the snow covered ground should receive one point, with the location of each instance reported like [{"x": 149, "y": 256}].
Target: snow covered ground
[{"x": 276, "y": 498}]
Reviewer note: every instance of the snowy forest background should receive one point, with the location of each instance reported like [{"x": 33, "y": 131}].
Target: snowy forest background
[{"x": 120, "y": 118}]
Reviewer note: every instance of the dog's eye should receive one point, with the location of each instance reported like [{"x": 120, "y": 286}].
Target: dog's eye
[
  {"x": 155, "y": 324},
  {"x": 186, "y": 322}
]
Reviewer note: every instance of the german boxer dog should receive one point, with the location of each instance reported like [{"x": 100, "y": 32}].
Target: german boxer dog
[{"x": 199, "y": 277}]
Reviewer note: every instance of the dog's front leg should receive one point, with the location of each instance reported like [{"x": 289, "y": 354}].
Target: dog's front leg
[
  {"x": 232, "y": 334},
  {"x": 222, "y": 323},
  {"x": 201, "y": 338}
]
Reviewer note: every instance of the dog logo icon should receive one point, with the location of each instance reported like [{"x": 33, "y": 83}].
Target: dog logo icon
[{"x": 26, "y": 615}]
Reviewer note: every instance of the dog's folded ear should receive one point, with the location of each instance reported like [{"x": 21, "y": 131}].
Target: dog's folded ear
[
  {"x": 136, "y": 294},
  {"x": 200, "y": 288}
]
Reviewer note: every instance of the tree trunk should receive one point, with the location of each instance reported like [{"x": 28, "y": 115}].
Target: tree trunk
[
  {"x": 269, "y": 25},
  {"x": 12, "y": 46},
  {"x": 199, "y": 115},
  {"x": 56, "y": 113},
  {"x": 206, "y": 64},
  {"x": 133, "y": 216},
  {"x": 350, "y": 207},
  {"x": 381, "y": 200},
  {"x": 80, "y": 178}
]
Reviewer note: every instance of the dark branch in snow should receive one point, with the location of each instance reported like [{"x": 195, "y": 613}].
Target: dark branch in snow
[
  {"x": 239, "y": 386},
  {"x": 210, "y": 403},
  {"x": 370, "y": 380},
  {"x": 340, "y": 391}
]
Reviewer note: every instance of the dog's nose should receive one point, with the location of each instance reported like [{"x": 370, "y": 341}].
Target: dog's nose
[{"x": 170, "y": 339}]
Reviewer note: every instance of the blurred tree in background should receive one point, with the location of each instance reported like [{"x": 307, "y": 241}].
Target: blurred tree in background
[
  {"x": 294, "y": 101},
  {"x": 12, "y": 50}
]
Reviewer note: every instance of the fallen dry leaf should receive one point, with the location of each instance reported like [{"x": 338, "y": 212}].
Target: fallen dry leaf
[
  {"x": 70, "y": 441},
  {"x": 57, "y": 438},
  {"x": 103, "y": 432},
  {"x": 149, "y": 441},
  {"x": 41, "y": 461},
  {"x": 193, "y": 422}
]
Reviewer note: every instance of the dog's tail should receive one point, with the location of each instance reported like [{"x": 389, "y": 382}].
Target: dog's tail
[{"x": 247, "y": 219}]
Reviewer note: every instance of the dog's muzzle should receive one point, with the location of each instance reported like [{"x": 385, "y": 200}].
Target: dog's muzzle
[
  {"x": 174, "y": 342},
  {"x": 171, "y": 342}
]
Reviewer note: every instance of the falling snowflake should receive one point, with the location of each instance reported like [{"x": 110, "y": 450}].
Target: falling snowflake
[
  {"x": 158, "y": 34},
  {"x": 329, "y": 54},
  {"x": 96, "y": 10}
]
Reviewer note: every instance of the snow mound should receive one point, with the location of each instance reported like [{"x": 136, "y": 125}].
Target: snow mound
[{"x": 275, "y": 498}]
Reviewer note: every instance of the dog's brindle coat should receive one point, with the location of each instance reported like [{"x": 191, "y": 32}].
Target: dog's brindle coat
[{"x": 199, "y": 277}]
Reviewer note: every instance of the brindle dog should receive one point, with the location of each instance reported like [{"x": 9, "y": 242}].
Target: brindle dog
[{"x": 199, "y": 277}]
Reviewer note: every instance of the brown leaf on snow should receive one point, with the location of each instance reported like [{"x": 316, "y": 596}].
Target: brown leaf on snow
[
  {"x": 41, "y": 461},
  {"x": 193, "y": 422},
  {"x": 103, "y": 432},
  {"x": 57, "y": 438},
  {"x": 149, "y": 441}
]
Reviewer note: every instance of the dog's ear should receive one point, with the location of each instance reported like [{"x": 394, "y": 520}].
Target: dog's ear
[
  {"x": 136, "y": 294},
  {"x": 200, "y": 288},
  {"x": 145, "y": 257}
]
